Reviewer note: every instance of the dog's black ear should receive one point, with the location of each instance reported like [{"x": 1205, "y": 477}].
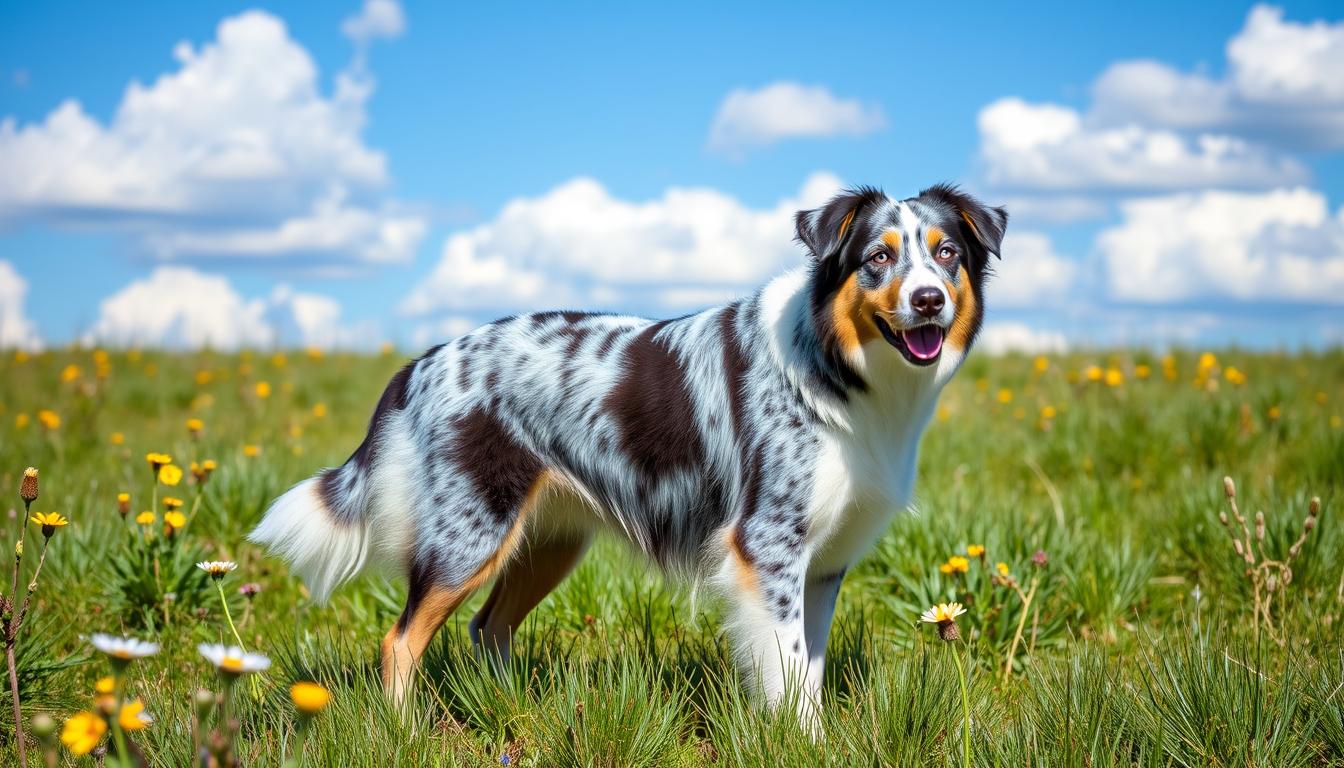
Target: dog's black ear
[
  {"x": 823, "y": 229},
  {"x": 983, "y": 225}
]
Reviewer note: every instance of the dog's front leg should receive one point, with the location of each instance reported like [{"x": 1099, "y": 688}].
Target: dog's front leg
[
  {"x": 766, "y": 596},
  {"x": 818, "y": 608}
]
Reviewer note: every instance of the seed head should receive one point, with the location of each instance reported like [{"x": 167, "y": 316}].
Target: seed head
[
  {"x": 1309, "y": 524},
  {"x": 1259, "y": 526},
  {"x": 1222, "y": 518},
  {"x": 28, "y": 486},
  {"x": 1230, "y": 488},
  {"x": 1236, "y": 544},
  {"x": 1314, "y": 507}
]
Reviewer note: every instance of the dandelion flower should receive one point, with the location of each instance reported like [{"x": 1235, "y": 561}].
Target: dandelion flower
[
  {"x": 21, "y": 421},
  {"x": 263, "y": 389},
  {"x": 49, "y": 419},
  {"x": 251, "y": 451},
  {"x": 195, "y": 427},
  {"x": 217, "y": 568},
  {"x": 945, "y": 616},
  {"x": 172, "y": 503},
  {"x": 117, "y": 438},
  {"x": 1114, "y": 377},
  {"x": 232, "y": 660},
  {"x": 145, "y": 518},
  {"x": 1002, "y": 568},
  {"x": 123, "y": 503},
  {"x": 157, "y": 460},
  {"x": 320, "y": 411},
  {"x": 957, "y": 564},
  {"x": 1049, "y": 412},
  {"x": 309, "y": 698},
  {"x": 103, "y": 691},
  {"x": 133, "y": 716},
  {"x": 170, "y": 474},
  {"x": 1142, "y": 371},
  {"x": 1005, "y": 396},
  {"x": 123, "y": 649},
  {"x": 50, "y": 521},
  {"x": 975, "y": 550},
  {"x": 175, "y": 520},
  {"x": 83, "y": 732}
]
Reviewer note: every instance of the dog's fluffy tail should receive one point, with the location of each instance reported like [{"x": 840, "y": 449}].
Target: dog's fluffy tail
[{"x": 332, "y": 526}]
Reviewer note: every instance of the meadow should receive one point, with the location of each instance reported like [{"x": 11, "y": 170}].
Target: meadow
[{"x": 1071, "y": 503}]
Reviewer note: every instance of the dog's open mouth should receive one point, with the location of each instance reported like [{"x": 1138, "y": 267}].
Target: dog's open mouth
[{"x": 920, "y": 345}]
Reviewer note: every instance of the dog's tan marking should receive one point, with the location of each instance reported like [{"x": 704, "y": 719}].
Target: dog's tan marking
[
  {"x": 965, "y": 307},
  {"x": 743, "y": 570},
  {"x": 966, "y": 217},
  {"x": 844, "y": 225},
  {"x": 402, "y": 649},
  {"x": 853, "y": 309},
  {"x": 524, "y": 582},
  {"x": 932, "y": 238},
  {"x": 893, "y": 240}
]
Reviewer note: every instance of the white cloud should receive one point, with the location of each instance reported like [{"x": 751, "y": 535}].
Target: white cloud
[
  {"x": 181, "y": 308},
  {"x": 16, "y": 330},
  {"x": 1031, "y": 273},
  {"x": 999, "y": 338},
  {"x": 230, "y": 153},
  {"x": 1281, "y": 246},
  {"x": 1049, "y": 147},
  {"x": 376, "y": 20},
  {"x": 577, "y": 244},
  {"x": 1285, "y": 86},
  {"x": 784, "y": 110}
]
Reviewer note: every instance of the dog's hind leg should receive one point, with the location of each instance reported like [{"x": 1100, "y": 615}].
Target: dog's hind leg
[
  {"x": 542, "y": 562},
  {"x": 437, "y": 586}
]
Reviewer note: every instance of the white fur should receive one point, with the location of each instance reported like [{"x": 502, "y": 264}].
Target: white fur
[{"x": 326, "y": 553}]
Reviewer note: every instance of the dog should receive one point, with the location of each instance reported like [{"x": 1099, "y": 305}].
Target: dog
[{"x": 761, "y": 446}]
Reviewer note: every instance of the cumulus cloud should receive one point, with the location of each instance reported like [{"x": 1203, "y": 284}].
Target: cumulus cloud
[
  {"x": 779, "y": 111},
  {"x": 182, "y": 308},
  {"x": 998, "y": 338},
  {"x": 1276, "y": 247},
  {"x": 16, "y": 330},
  {"x": 1151, "y": 127},
  {"x": 376, "y": 20},
  {"x": 237, "y": 151},
  {"x": 579, "y": 245},
  {"x": 1283, "y": 87},
  {"x": 1032, "y": 274},
  {"x": 1049, "y": 147}
]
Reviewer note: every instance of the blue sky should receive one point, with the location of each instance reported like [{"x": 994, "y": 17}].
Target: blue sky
[{"x": 472, "y": 124}]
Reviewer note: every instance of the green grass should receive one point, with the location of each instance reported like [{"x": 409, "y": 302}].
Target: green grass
[{"x": 1119, "y": 663}]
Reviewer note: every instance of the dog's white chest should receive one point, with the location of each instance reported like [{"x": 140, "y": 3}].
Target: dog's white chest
[{"x": 862, "y": 478}]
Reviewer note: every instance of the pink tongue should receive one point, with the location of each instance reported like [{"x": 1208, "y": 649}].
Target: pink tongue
[{"x": 923, "y": 342}]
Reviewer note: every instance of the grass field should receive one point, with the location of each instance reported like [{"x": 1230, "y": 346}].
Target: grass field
[{"x": 1139, "y": 645}]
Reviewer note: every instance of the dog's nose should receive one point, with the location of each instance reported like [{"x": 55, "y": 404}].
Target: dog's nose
[{"x": 927, "y": 301}]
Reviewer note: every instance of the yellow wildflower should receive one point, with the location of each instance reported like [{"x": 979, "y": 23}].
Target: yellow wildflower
[
  {"x": 1275, "y": 412},
  {"x": 945, "y": 616},
  {"x": 195, "y": 426},
  {"x": 83, "y": 732},
  {"x": 49, "y": 419},
  {"x": 975, "y": 550},
  {"x": 1042, "y": 364},
  {"x": 309, "y": 698},
  {"x": 117, "y": 438},
  {"x": 175, "y": 520},
  {"x": 21, "y": 421},
  {"x": 1114, "y": 377},
  {"x": 170, "y": 474},
  {"x": 320, "y": 411},
  {"x": 957, "y": 564},
  {"x": 172, "y": 502},
  {"x": 157, "y": 460},
  {"x": 1234, "y": 376},
  {"x": 1005, "y": 396},
  {"x": 49, "y": 521},
  {"x": 70, "y": 373},
  {"x": 133, "y": 716},
  {"x": 251, "y": 451},
  {"x": 1048, "y": 412},
  {"x": 1093, "y": 373},
  {"x": 146, "y": 518},
  {"x": 1142, "y": 371},
  {"x": 1002, "y": 568},
  {"x": 263, "y": 389}
]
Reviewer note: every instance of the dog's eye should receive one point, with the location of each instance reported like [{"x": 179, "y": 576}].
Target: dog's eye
[
  {"x": 880, "y": 257},
  {"x": 947, "y": 253}
]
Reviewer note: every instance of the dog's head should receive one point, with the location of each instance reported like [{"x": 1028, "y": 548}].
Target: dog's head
[{"x": 900, "y": 277}]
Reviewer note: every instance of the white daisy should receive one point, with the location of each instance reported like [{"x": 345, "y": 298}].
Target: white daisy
[
  {"x": 217, "y": 568},
  {"x": 123, "y": 648},
  {"x": 232, "y": 660}
]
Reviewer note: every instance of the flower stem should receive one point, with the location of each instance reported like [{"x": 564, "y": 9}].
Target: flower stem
[
  {"x": 219, "y": 585},
  {"x": 965, "y": 713},
  {"x": 119, "y": 738}
]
